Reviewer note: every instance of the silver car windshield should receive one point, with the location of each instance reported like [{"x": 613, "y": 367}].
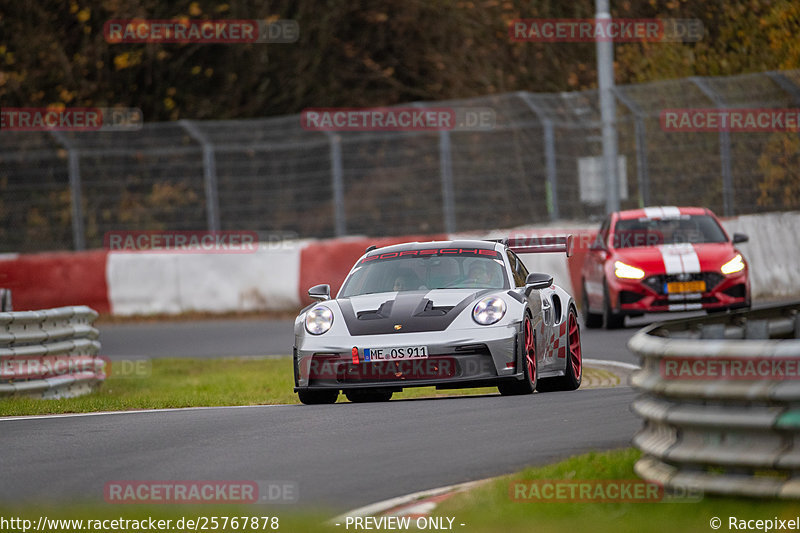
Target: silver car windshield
[{"x": 426, "y": 272}]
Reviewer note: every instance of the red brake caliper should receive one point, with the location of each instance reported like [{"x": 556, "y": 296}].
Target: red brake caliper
[
  {"x": 575, "y": 346},
  {"x": 530, "y": 350}
]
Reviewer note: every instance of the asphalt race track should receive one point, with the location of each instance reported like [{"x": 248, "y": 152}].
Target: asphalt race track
[
  {"x": 340, "y": 456},
  {"x": 207, "y": 339},
  {"x": 226, "y": 338}
]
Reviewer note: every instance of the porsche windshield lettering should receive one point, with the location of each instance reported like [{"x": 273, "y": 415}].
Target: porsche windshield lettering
[{"x": 431, "y": 252}]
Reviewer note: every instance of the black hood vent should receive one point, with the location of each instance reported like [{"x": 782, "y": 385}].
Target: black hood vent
[
  {"x": 411, "y": 310},
  {"x": 428, "y": 309},
  {"x": 384, "y": 311}
]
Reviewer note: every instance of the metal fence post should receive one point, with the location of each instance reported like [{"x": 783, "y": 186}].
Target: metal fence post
[
  {"x": 549, "y": 154},
  {"x": 724, "y": 148},
  {"x": 608, "y": 108},
  {"x": 446, "y": 177},
  {"x": 642, "y": 170},
  {"x": 76, "y": 196},
  {"x": 786, "y": 84},
  {"x": 337, "y": 184},
  {"x": 446, "y": 174},
  {"x": 209, "y": 173}
]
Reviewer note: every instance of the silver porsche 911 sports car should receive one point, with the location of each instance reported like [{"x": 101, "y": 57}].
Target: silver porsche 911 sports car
[{"x": 449, "y": 314}]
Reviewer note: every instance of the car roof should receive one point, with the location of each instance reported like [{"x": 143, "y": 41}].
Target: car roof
[
  {"x": 471, "y": 244},
  {"x": 662, "y": 212}
]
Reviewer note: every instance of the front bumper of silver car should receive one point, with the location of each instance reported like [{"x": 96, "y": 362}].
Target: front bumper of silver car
[{"x": 455, "y": 359}]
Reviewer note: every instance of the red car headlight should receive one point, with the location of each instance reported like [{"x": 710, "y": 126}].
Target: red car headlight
[
  {"x": 623, "y": 271},
  {"x": 733, "y": 266}
]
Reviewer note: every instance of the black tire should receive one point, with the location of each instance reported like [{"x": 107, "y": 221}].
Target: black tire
[
  {"x": 590, "y": 320},
  {"x": 573, "y": 374},
  {"x": 611, "y": 320},
  {"x": 528, "y": 384},
  {"x": 368, "y": 396},
  {"x": 316, "y": 397}
]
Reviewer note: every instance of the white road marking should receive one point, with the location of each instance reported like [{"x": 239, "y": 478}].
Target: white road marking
[
  {"x": 102, "y": 413},
  {"x": 618, "y": 364}
]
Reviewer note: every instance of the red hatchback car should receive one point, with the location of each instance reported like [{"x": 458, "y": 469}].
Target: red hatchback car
[{"x": 661, "y": 259}]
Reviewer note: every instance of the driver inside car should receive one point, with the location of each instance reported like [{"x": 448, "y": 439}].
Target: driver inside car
[
  {"x": 407, "y": 281},
  {"x": 478, "y": 276}
]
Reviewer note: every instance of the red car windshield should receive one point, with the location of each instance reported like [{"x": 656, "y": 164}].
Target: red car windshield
[{"x": 694, "y": 229}]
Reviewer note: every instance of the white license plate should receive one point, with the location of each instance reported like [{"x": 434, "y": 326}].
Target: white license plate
[{"x": 397, "y": 353}]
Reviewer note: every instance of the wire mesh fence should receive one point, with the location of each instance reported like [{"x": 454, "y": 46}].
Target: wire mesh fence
[{"x": 540, "y": 162}]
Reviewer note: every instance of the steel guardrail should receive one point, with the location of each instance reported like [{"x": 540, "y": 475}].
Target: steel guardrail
[
  {"x": 5, "y": 300},
  {"x": 726, "y": 431},
  {"x": 50, "y": 354}
]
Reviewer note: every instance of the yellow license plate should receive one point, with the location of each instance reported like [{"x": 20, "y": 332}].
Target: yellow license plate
[{"x": 686, "y": 286}]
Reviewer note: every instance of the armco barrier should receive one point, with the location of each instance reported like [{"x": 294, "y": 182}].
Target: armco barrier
[
  {"x": 50, "y": 353},
  {"x": 716, "y": 418},
  {"x": 5, "y": 300}
]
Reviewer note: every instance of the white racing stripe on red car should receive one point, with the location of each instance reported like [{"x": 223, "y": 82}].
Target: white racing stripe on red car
[
  {"x": 672, "y": 261},
  {"x": 691, "y": 263},
  {"x": 662, "y": 212},
  {"x": 679, "y": 258},
  {"x": 653, "y": 212}
]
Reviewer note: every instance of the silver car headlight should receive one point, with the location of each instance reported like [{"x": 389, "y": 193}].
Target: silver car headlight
[
  {"x": 319, "y": 320},
  {"x": 489, "y": 310}
]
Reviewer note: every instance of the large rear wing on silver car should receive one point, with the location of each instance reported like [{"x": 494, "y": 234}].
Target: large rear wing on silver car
[{"x": 540, "y": 244}]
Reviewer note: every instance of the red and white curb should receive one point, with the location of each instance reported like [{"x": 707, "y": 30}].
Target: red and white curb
[{"x": 416, "y": 505}]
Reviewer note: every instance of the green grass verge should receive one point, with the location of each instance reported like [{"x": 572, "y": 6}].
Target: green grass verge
[
  {"x": 490, "y": 507},
  {"x": 174, "y": 383},
  {"x": 487, "y": 508}
]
